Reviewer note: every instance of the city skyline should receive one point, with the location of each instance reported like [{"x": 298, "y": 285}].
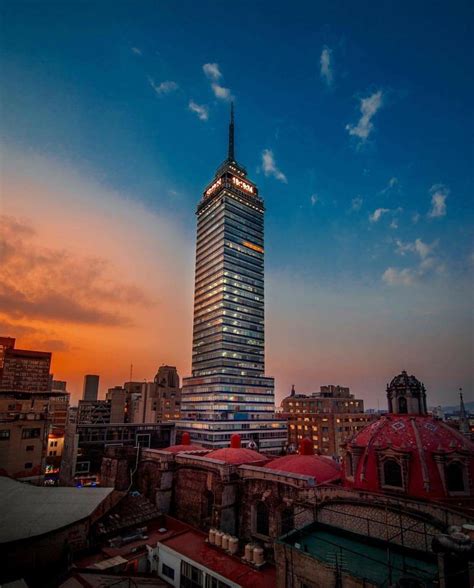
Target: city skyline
[{"x": 360, "y": 151}]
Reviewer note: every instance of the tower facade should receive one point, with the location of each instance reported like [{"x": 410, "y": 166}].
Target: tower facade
[
  {"x": 228, "y": 391},
  {"x": 406, "y": 395}
]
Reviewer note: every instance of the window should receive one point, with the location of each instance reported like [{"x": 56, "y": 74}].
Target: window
[
  {"x": 287, "y": 521},
  {"x": 167, "y": 571},
  {"x": 349, "y": 465},
  {"x": 30, "y": 448},
  {"x": 212, "y": 582},
  {"x": 402, "y": 405},
  {"x": 455, "y": 477},
  {"x": 191, "y": 577},
  {"x": 4, "y": 434},
  {"x": 392, "y": 473},
  {"x": 31, "y": 433},
  {"x": 209, "y": 503},
  {"x": 28, "y": 465},
  {"x": 262, "y": 519}
]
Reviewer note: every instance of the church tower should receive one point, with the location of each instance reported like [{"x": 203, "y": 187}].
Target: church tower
[{"x": 406, "y": 395}]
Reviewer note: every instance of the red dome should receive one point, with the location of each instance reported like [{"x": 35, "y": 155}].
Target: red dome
[
  {"x": 236, "y": 454},
  {"x": 321, "y": 469},
  {"x": 185, "y": 445},
  {"x": 421, "y": 450}
]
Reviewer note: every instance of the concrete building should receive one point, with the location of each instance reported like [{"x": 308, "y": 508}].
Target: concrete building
[
  {"x": 328, "y": 417},
  {"x": 23, "y": 453},
  {"x": 228, "y": 391},
  {"x": 94, "y": 412},
  {"x": 90, "y": 389},
  {"x": 23, "y": 370},
  {"x": 160, "y": 400},
  {"x": 23, "y": 445},
  {"x": 85, "y": 444}
]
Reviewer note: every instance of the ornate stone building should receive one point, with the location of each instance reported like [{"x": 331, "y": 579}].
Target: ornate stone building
[{"x": 405, "y": 480}]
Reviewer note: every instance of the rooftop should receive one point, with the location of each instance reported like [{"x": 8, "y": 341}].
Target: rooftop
[
  {"x": 94, "y": 580},
  {"x": 362, "y": 557},
  {"x": 192, "y": 544},
  {"x": 28, "y": 511}
]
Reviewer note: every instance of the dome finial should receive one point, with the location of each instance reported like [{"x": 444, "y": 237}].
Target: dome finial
[{"x": 235, "y": 441}]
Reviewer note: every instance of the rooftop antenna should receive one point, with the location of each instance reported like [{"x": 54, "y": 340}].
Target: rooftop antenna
[
  {"x": 231, "y": 155},
  {"x": 131, "y": 371}
]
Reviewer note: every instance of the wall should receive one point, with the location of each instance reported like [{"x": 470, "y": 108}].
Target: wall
[{"x": 294, "y": 568}]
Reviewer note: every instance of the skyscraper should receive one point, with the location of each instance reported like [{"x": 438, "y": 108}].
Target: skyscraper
[
  {"x": 228, "y": 391},
  {"x": 90, "y": 390}
]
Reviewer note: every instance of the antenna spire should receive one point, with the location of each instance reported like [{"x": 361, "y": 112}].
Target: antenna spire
[{"x": 230, "y": 154}]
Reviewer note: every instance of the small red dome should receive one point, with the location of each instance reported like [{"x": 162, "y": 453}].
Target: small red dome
[
  {"x": 185, "y": 445},
  {"x": 322, "y": 469},
  {"x": 237, "y": 455},
  {"x": 420, "y": 449}
]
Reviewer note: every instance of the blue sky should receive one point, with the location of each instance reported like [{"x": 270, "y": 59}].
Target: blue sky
[{"x": 355, "y": 120}]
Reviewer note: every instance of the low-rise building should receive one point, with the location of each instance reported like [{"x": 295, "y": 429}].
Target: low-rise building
[{"x": 85, "y": 444}]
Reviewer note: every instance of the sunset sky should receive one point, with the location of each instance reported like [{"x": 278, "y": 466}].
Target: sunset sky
[{"x": 354, "y": 119}]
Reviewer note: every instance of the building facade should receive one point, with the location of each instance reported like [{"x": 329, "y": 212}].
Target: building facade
[
  {"x": 23, "y": 370},
  {"x": 228, "y": 391},
  {"x": 328, "y": 417},
  {"x": 91, "y": 387}
]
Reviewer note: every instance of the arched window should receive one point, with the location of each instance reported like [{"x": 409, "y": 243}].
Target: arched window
[
  {"x": 349, "y": 465},
  {"x": 402, "y": 405},
  {"x": 455, "y": 477},
  {"x": 392, "y": 473},
  {"x": 209, "y": 504},
  {"x": 262, "y": 519},
  {"x": 287, "y": 521}
]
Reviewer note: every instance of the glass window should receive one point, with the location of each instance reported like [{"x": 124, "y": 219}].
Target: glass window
[
  {"x": 4, "y": 434},
  {"x": 167, "y": 571},
  {"x": 191, "y": 577},
  {"x": 31, "y": 433}
]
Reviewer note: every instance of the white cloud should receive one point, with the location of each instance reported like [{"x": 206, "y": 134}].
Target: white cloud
[
  {"x": 325, "y": 62},
  {"x": 137, "y": 51},
  {"x": 201, "y": 110},
  {"x": 221, "y": 92},
  {"x": 395, "y": 277},
  {"x": 428, "y": 263},
  {"x": 392, "y": 183},
  {"x": 439, "y": 193},
  {"x": 356, "y": 203},
  {"x": 377, "y": 214},
  {"x": 415, "y": 218},
  {"x": 418, "y": 246},
  {"x": 270, "y": 168},
  {"x": 315, "y": 199},
  {"x": 368, "y": 107},
  {"x": 212, "y": 71},
  {"x": 394, "y": 224},
  {"x": 163, "y": 88}
]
